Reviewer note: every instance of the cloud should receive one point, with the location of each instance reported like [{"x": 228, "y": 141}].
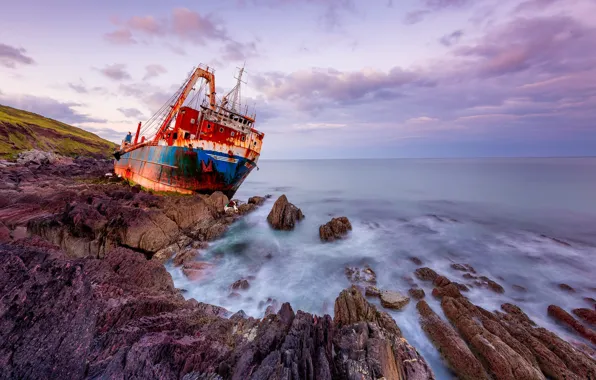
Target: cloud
[
  {"x": 11, "y": 56},
  {"x": 51, "y": 108},
  {"x": 82, "y": 88},
  {"x": 186, "y": 25},
  {"x": 131, "y": 113},
  {"x": 106, "y": 133},
  {"x": 452, "y": 38},
  {"x": 534, "y": 5},
  {"x": 152, "y": 71},
  {"x": 120, "y": 37},
  {"x": 235, "y": 51},
  {"x": 421, "y": 120},
  {"x": 116, "y": 72},
  {"x": 433, "y": 6}
]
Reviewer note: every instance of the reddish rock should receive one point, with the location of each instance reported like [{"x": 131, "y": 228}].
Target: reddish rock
[
  {"x": 256, "y": 200},
  {"x": 469, "y": 276},
  {"x": 426, "y": 274},
  {"x": 393, "y": 300},
  {"x": 451, "y": 346},
  {"x": 4, "y": 233},
  {"x": 241, "y": 285},
  {"x": 336, "y": 228},
  {"x": 364, "y": 275},
  {"x": 416, "y": 293},
  {"x": 441, "y": 281},
  {"x": 246, "y": 208},
  {"x": 450, "y": 290},
  {"x": 415, "y": 260},
  {"x": 519, "y": 288},
  {"x": 284, "y": 215},
  {"x": 463, "y": 268},
  {"x": 197, "y": 270},
  {"x": 372, "y": 291},
  {"x": 587, "y": 315},
  {"x": 184, "y": 256},
  {"x": 562, "y": 316},
  {"x": 566, "y": 288}
]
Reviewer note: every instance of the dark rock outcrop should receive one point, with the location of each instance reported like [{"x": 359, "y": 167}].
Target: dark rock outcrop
[
  {"x": 566, "y": 318},
  {"x": 121, "y": 317},
  {"x": 588, "y": 315},
  {"x": 284, "y": 215},
  {"x": 336, "y": 228},
  {"x": 426, "y": 274},
  {"x": 256, "y": 200},
  {"x": 416, "y": 293}
]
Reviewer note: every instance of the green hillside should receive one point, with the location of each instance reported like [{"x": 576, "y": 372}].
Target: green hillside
[{"x": 21, "y": 130}]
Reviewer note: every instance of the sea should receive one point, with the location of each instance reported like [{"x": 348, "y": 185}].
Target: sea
[{"x": 528, "y": 222}]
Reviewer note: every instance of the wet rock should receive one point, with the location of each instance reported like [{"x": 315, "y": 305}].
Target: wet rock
[
  {"x": 591, "y": 301},
  {"x": 217, "y": 200},
  {"x": 416, "y": 293},
  {"x": 393, "y": 300},
  {"x": 495, "y": 287},
  {"x": 197, "y": 270},
  {"x": 284, "y": 215},
  {"x": 562, "y": 316},
  {"x": 184, "y": 256},
  {"x": 449, "y": 290},
  {"x": 500, "y": 360},
  {"x": 426, "y": 274},
  {"x": 441, "y": 281},
  {"x": 469, "y": 276},
  {"x": 463, "y": 268},
  {"x": 4, "y": 233},
  {"x": 364, "y": 275},
  {"x": 519, "y": 288},
  {"x": 451, "y": 346},
  {"x": 246, "y": 208},
  {"x": 351, "y": 307},
  {"x": 415, "y": 260},
  {"x": 461, "y": 287},
  {"x": 256, "y": 200},
  {"x": 372, "y": 291},
  {"x": 241, "y": 285},
  {"x": 566, "y": 288},
  {"x": 234, "y": 295},
  {"x": 335, "y": 229},
  {"x": 587, "y": 315}
]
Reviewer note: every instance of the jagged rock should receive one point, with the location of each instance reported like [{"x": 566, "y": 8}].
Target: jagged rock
[
  {"x": 372, "y": 291},
  {"x": 245, "y": 208},
  {"x": 336, "y": 228},
  {"x": 566, "y": 318},
  {"x": 393, "y": 300},
  {"x": 351, "y": 307},
  {"x": 184, "y": 256},
  {"x": 256, "y": 200},
  {"x": 463, "y": 267},
  {"x": 361, "y": 276},
  {"x": 416, "y": 293},
  {"x": 4, "y": 233},
  {"x": 441, "y": 281},
  {"x": 426, "y": 274},
  {"x": 241, "y": 284},
  {"x": 566, "y": 288},
  {"x": 451, "y": 346},
  {"x": 415, "y": 260},
  {"x": 587, "y": 315},
  {"x": 495, "y": 287},
  {"x": 197, "y": 270},
  {"x": 36, "y": 157},
  {"x": 501, "y": 360},
  {"x": 284, "y": 215},
  {"x": 121, "y": 317}
]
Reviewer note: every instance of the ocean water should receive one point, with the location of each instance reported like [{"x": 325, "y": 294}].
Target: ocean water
[{"x": 498, "y": 215}]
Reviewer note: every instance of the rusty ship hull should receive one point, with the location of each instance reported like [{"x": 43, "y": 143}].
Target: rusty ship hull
[
  {"x": 185, "y": 170},
  {"x": 202, "y": 149}
]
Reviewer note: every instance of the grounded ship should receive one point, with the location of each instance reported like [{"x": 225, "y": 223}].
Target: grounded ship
[{"x": 211, "y": 146}]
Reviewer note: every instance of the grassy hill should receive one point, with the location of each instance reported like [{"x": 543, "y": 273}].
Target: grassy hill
[{"x": 21, "y": 130}]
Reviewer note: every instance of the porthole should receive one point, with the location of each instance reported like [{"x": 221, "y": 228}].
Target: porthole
[
  {"x": 255, "y": 143},
  {"x": 243, "y": 138},
  {"x": 221, "y": 129},
  {"x": 232, "y": 134},
  {"x": 208, "y": 126}
]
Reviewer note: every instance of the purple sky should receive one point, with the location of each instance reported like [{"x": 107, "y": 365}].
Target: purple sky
[{"x": 329, "y": 78}]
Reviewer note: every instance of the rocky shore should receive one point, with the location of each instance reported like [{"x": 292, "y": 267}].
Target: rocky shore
[{"x": 84, "y": 294}]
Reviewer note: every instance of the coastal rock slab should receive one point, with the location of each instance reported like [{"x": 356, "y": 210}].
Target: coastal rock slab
[
  {"x": 393, "y": 300},
  {"x": 284, "y": 215},
  {"x": 587, "y": 315},
  {"x": 256, "y": 200},
  {"x": 566, "y": 318},
  {"x": 416, "y": 293},
  {"x": 336, "y": 228},
  {"x": 426, "y": 274}
]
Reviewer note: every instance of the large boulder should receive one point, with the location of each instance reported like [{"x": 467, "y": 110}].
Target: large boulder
[
  {"x": 36, "y": 157},
  {"x": 393, "y": 300},
  {"x": 284, "y": 215},
  {"x": 336, "y": 228}
]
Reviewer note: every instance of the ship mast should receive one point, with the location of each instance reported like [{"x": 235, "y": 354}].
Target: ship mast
[
  {"x": 233, "y": 97},
  {"x": 174, "y": 108}
]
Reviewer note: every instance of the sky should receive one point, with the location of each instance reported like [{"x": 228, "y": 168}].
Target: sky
[{"x": 327, "y": 78}]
